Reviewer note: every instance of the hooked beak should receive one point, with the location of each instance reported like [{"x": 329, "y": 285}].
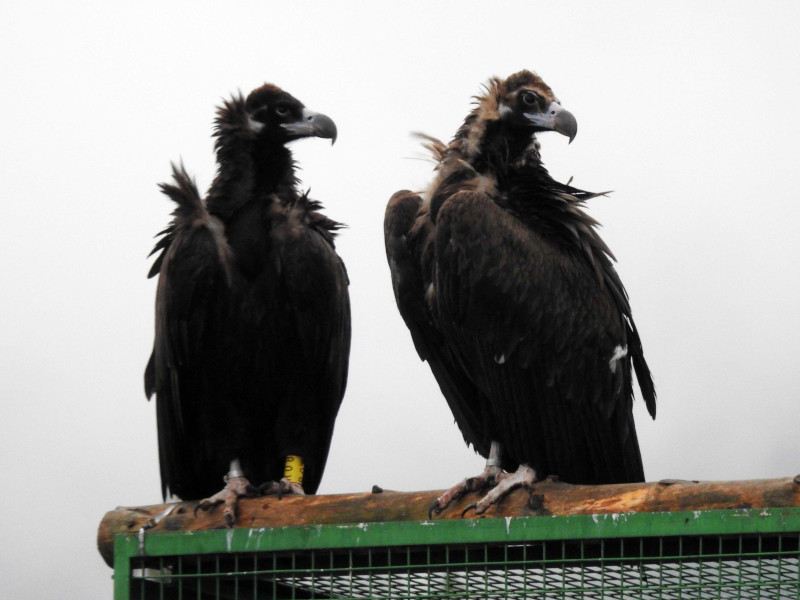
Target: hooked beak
[
  {"x": 557, "y": 119},
  {"x": 312, "y": 124}
]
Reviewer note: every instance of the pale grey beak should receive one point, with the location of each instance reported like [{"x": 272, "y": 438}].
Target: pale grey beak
[
  {"x": 557, "y": 119},
  {"x": 312, "y": 124}
]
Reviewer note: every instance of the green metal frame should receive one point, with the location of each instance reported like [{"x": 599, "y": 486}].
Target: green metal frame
[{"x": 672, "y": 537}]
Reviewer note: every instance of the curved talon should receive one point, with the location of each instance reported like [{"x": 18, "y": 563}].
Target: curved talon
[
  {"x": 473, "y": 506},
  {"x": 434, "y": 507},
  {"x": 230, "y": 512}
]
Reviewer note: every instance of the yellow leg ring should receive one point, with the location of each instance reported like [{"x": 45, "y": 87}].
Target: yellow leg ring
[{"x": 293, "y": 471}]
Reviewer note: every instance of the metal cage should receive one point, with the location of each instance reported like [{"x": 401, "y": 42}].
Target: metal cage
[{"x": 742, "y": 553}]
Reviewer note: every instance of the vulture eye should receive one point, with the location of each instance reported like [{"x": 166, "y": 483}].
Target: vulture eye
[
  {"x": 282, "y": 111},
  {"x": 530, "y": 99}
]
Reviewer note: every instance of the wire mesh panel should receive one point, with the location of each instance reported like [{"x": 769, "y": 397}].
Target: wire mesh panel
[{"x": 762, "y": 561}]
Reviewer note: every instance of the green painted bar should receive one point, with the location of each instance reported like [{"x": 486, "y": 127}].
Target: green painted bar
[
  {"x": 468, "y": 548},
  {"x": 448, "y": 531}
]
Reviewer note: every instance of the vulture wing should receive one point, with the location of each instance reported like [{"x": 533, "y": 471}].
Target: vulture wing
[
  {"x": 309, "y": 364},
  {"x": 542, "y": 337},
  {"x": 409, "y": 237},
  {"x": 194, "y": 291}
]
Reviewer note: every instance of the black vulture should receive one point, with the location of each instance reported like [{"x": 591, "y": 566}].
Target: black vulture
[
  {"x": 252, "y": 325},
  {"x": 511, "y": 297}
]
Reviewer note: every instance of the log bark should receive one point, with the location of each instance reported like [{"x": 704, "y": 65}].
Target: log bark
[{"x": 549, "y": 497}]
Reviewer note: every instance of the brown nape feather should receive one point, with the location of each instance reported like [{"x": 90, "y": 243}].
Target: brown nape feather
[
  {"x": 497, "y": 93},
  {"x": 511, "y": 296},
  {"x": 464, "y": 164},
  {"x": 434, "y": 145}
]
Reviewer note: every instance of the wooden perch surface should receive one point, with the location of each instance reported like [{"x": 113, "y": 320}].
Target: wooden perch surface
[{"x": 545, "y": 498}]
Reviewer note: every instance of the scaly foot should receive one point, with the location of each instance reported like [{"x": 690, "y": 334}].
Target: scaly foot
[
  {"x": 506, "y": 482},
  {"x": 235, "y": 487},
  {"x": 486, "y": 479}
]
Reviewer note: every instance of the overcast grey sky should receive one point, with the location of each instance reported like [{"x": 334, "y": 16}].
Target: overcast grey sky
[{"x": 688, "y": 111}]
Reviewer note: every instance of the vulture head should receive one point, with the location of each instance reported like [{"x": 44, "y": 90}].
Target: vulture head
[
  {"x": 279, "y": 117},
  {"x": 510, "y": 113},
  {"x": 251, "y": 144}
]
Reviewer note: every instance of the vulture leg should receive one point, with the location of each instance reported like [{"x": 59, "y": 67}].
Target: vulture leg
[
  {"x": 487, "y": 478},
  {"x": 236, "y": 486},
  {"x": 506, "y": 482}
]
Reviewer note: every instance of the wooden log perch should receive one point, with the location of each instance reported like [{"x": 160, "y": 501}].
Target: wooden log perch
[{"x": 548, "y": 497}]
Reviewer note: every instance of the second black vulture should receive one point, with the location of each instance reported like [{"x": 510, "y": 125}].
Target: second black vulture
[
  {"x": 252, "y": 328},
  {"x": 511, "y": 297}
]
